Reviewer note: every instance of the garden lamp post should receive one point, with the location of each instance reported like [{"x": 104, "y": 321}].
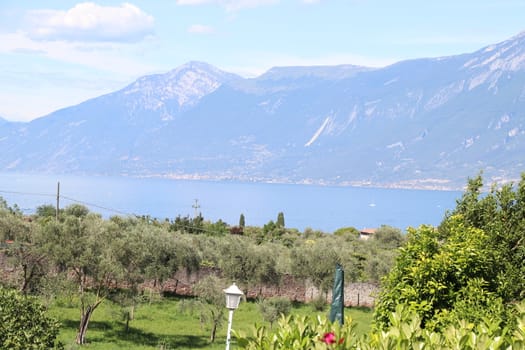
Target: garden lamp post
[{"x": 233, "y": 297}]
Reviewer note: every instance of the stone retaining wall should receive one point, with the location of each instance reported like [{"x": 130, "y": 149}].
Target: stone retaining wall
[{"x": 356, "y": 294}]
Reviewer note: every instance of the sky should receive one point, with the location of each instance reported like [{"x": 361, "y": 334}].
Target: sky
[{"x": 55, "y": 54}]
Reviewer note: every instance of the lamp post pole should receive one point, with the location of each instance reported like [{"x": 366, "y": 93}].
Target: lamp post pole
[
  {"x": 230, "y": 319},
  {"x": 233, "y": 297}
]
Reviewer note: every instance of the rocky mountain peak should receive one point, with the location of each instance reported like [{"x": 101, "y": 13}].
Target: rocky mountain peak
[
  {"x": 508, "y": 55},
  {"x": 185, "y": 85}
]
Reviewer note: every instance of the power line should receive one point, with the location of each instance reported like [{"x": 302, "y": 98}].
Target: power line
[
  {"x": 196, "y": 206},
  {"x": 29, "y": 193},
  {"x": 97, "y": 206},
  {"x": 68, "y": 198}
]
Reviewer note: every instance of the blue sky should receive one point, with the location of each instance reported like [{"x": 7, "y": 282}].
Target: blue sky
[{"x": 59, "y": 53}]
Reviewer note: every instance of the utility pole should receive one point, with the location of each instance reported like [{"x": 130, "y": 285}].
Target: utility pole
[
  {"x": 196, "y": 206},
  {"x": 58, "y": 199}
]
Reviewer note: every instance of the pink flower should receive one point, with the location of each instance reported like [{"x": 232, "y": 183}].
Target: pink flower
[{"x": 329, "y": 338}]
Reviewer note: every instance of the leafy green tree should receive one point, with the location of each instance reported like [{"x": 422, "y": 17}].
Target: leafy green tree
[
  {"x": 501, "y": 215},
  {"x": 472, "y": 267},
  {"x": 435, "y": 268},
  {"x": 273, "y": 231},
  {"x": 22, "y": 248},
  {"x": 188, "y": 251},
  {"x": 188, "y": 225},
  {"x": 209, "y": 292},
  {"x": 163, "y": 254},
  {"x": 24, "y": 324},
  {"x": 388, "y": 236},
  {"x": 82, "y": 244},
  {"x": 316, "y": 261},
  {"x": 218, "y": 228},
  {"x": 12, "y": 225},
  {"x": 248, "y": 264},
  {"x": 347, "y": 232},
  {"x": 46, "y": 211},
  {"x": 255, "y": 233},
  {"x": 132, "y": 258}
]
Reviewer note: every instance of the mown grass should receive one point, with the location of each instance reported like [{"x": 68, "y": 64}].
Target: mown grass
[{"x": 162, "y": 325}]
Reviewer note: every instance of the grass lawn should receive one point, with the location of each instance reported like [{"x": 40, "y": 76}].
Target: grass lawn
[{"x": 161, "y": 325}]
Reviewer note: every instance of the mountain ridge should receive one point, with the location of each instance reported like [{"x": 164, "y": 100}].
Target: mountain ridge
[{"x": 422, "y": 123}]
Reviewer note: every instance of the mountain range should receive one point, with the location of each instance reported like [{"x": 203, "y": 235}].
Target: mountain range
[{"x": 421, "y": 123}]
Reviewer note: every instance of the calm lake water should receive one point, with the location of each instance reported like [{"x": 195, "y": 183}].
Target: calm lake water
[{"x": 318, "y": 207}]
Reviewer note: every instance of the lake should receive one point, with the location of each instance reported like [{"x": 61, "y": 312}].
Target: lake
[{"x": 323, "y": 208}]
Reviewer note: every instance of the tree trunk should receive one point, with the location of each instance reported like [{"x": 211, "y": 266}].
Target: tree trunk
[
  {"x": 27, "y": 278},
  {"x": 84, "y": 322},
  {"x": 132, "y": 312},
  {"x": 130, "y": 315},
  {"x": 127, "y": 322},
  {"x": 213, "y": 332}
]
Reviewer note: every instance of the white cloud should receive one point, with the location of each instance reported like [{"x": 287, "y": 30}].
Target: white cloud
[
  {"x": 88, "y": 21},
  {"x": 200, "y": 29},
  {"x": 230, "y": 5},
  {"x": 107, "y": 56},
  {"x": 195, "y": 2}
]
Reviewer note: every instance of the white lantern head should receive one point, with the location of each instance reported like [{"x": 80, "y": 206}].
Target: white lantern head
[{"x": 233, "y": 297}]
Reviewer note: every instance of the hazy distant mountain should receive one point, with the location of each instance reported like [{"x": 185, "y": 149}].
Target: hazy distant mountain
[{"x": 417, "y": 123}]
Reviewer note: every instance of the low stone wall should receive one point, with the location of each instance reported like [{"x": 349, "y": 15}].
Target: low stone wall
[{"x": 356, "y": 294}]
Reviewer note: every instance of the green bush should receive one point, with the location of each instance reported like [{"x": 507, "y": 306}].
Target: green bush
[
  {"x": 319, "y": 303},
  {"x": 24, "y": 324},
  {"x": 272, "y": 308},
  {"x": 405, "y": 332}
]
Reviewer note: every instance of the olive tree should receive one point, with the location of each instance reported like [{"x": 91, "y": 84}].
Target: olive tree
[
  {"x": 96, "y": 255},
  {"x": 20, "y": 244},
  {"x": 315, "y": 260},
  {"x": 210, "y": 296}
]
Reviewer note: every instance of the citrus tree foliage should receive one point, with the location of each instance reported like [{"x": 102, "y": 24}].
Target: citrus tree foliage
[
  {"x": 471, "y": 267},
  {"x": 436, "y": 269},
  {"x": 24, "y": 324},
  {"x": 501, "y": 215}
]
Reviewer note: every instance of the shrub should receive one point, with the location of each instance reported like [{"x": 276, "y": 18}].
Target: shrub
[
  {"x": 272, "y": 308},
  {"x": 24, "y": 324},
  {"x": 405, "y": 332},
  {"x": 319, "y": 303}
]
